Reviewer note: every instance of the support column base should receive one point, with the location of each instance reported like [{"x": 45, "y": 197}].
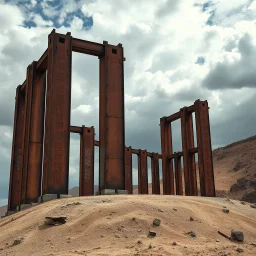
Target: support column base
[
  {"x": 112, "y": 192},
  {"x": 47, "y": 197}
]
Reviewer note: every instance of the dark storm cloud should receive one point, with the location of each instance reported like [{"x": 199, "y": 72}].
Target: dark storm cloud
[{"x": 239, "y": 74}]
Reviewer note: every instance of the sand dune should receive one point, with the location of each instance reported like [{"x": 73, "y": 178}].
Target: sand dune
[{"x": 119, "y": 225}]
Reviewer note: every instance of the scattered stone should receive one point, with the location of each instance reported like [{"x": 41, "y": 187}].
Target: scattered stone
[
  {"x": 18, "y": 240},
  {"x": 55, "y": 220},
  {"x": 117, "y": 236},
  {"x": 242, "y": 202},
  {"x": 151, "y": 233},
  {"x": 217, "y": 240},
  {"x": 139, "y": 230},
  {"x": 75, "y": 203},
  {"x": 191, "y": 218},
  {"x": 175, "y": 209},
  {"x": 253, "y": 206},
  {"x": 224, "y": 206},
  {"x": 174, "y": 243},
  {"x": 253, "y": 244},
  {"x": 191, "y": 234},
  {"x": 139, "y": 242},
  {"x": 225, "y": 210},
  {"x": 160, "y": 210},
  {"x": 150, "y": 246},
  {"x": 156, "y": 222},
  {"x": 237, "y": 235},
  {"x": 239, "y": 250},
  {"x": 133, "y": 218}
]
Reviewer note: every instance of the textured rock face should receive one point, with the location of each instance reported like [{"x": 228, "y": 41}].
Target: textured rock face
[
  {"x": 242, "y": 184},
  {"x": 237, "y": 235}
]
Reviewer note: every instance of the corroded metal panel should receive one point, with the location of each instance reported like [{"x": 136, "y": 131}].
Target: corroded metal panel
[
  {"x": 155, "y": 174},
  {"x": 17, "y": 152},
  {"x": 128, "y": 169},
  {"x": 166, "y": 146},
  {"x": 205, "y": 162},
  {"x": 86, "y": 177},
  {"x": 34, "y": 173},
  {"x": 112, "y": 171},
  {"x": 57, "y": 121},
  {"x": 142, "y": 172}
]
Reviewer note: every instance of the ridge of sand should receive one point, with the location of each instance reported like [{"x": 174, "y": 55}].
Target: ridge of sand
[{"x": 104, "y": 225}]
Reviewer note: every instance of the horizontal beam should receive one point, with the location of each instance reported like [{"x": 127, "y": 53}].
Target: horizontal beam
[
  {"x": 149, "y": 154},
  {"x": 87, "y": 47},
  {"x": 42, "y": 62},
  {"x": 76, "y": 129},
  {"x": 176, "y": 116},
  {"x": 179, "y": 154}
]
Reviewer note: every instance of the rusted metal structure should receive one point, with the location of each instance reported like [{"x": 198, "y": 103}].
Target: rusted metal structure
[{"x": 41, "y": 134}]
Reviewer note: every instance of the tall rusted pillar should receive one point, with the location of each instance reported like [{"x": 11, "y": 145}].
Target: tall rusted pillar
[
  {"x": 34, "y": 131},
  {"x": 178, "y": 174},
  {"x": 205, "y": 162},
  {"x": 86, "y": 177},
  {"x": 17, "y": 152},
  {"x": 155, "y": 174},
  {"x": 112, "y": 172},
  {"x": 57, "y": 121},
  {"x": 166, "y": 146},
  {"x": 128, "y": 170},
  {"x": 142, "y": 172},
  {"x": 188, "y": 158}
]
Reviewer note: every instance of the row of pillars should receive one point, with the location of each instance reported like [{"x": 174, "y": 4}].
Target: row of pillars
[
  {"x": 205, "y": 163},
  {"x": 41, "y": 135}
]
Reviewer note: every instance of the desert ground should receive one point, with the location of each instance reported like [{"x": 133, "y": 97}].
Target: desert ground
[{"x": 119, "y": 225}]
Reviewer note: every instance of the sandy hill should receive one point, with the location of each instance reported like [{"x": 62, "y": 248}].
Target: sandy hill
[{"x": 119, "y": 225}]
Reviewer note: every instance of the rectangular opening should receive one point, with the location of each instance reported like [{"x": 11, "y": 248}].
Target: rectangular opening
[
  {"x": 96, "y": 169},
  {"x": 74, "y": 164},
  {"x": 161, "y": 176},
  {"x": 149, "y": 175},
  {"x": 135, "y": 173},
  {"x": 194, "y": 128},
  {"x": 114, "y": 51},
  {"x": 176, "y": 136},
  {"x": 62, "y": 40}
]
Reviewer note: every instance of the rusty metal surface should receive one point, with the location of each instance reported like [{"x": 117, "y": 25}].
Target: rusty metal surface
[
  {"x": 155, "y": 174},
  {"x": 188, "y": 158},
  {"x": 128, "y": 169},
  {"x": 86, "y": 177},
  {"x": 87, "y": 47},
  {"x": 35, "y": 156},
  {"x": 178, "y": 174},
  {"x": 112, "y": 173},
  {"x": 23, "y": 87},
  {"x": 27, "y": 128},
  {"x": 17, "y": 152},
  {"x": 205, "y": 162},
  {"x": 57, "y": 120},
  {"x": 142, "y": 172},
  {"x": 166, "y": 146}
]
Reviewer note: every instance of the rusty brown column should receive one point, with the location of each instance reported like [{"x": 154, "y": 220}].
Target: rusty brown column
[
  {"x": 205, "y": 162},
  {"x": 33, "y": 145},
  {"x": 178, "y": 175},
  {"x": 188, "y": 158},
  {"x": 57, "y": 120},
  {"x": 166, "y": 146},
  {"x": 142, "y": 172},
  {"x": 17, "y": 152},
  {"x": 128, "y": 169},
  {"x": 86, "y": 177},
  {"x": 155, "y": 174},
  {"x": 112, "y": 145}
]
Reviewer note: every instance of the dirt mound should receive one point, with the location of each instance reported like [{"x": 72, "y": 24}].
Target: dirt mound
[{"x": 119, "y": 225}]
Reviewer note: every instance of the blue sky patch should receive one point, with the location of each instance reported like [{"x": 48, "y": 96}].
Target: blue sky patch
[{"x": 200, "y": 60}]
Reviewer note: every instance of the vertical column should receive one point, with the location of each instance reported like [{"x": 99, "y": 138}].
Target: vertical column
[
  {"x": 33, "y": 153},
  {"x": 112, "y": 171},
  {"x": 178, "y": 174},
  {"x": 166, "y": 146},
  {"x": 188, "y": 158},
  {"x": 155, "y": 174},
  {"x": 17, "y": 152},
  {"x": 128, "y": 169},
  {"x": 205, "y": 162},
  {"x": 143, "y": 172},
  {"x": 86, "y": 178},
  {"x": 57, "y": 121}
]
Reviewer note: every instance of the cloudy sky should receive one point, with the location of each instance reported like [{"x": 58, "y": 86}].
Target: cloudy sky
[{"x": 176, "y": 51}]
